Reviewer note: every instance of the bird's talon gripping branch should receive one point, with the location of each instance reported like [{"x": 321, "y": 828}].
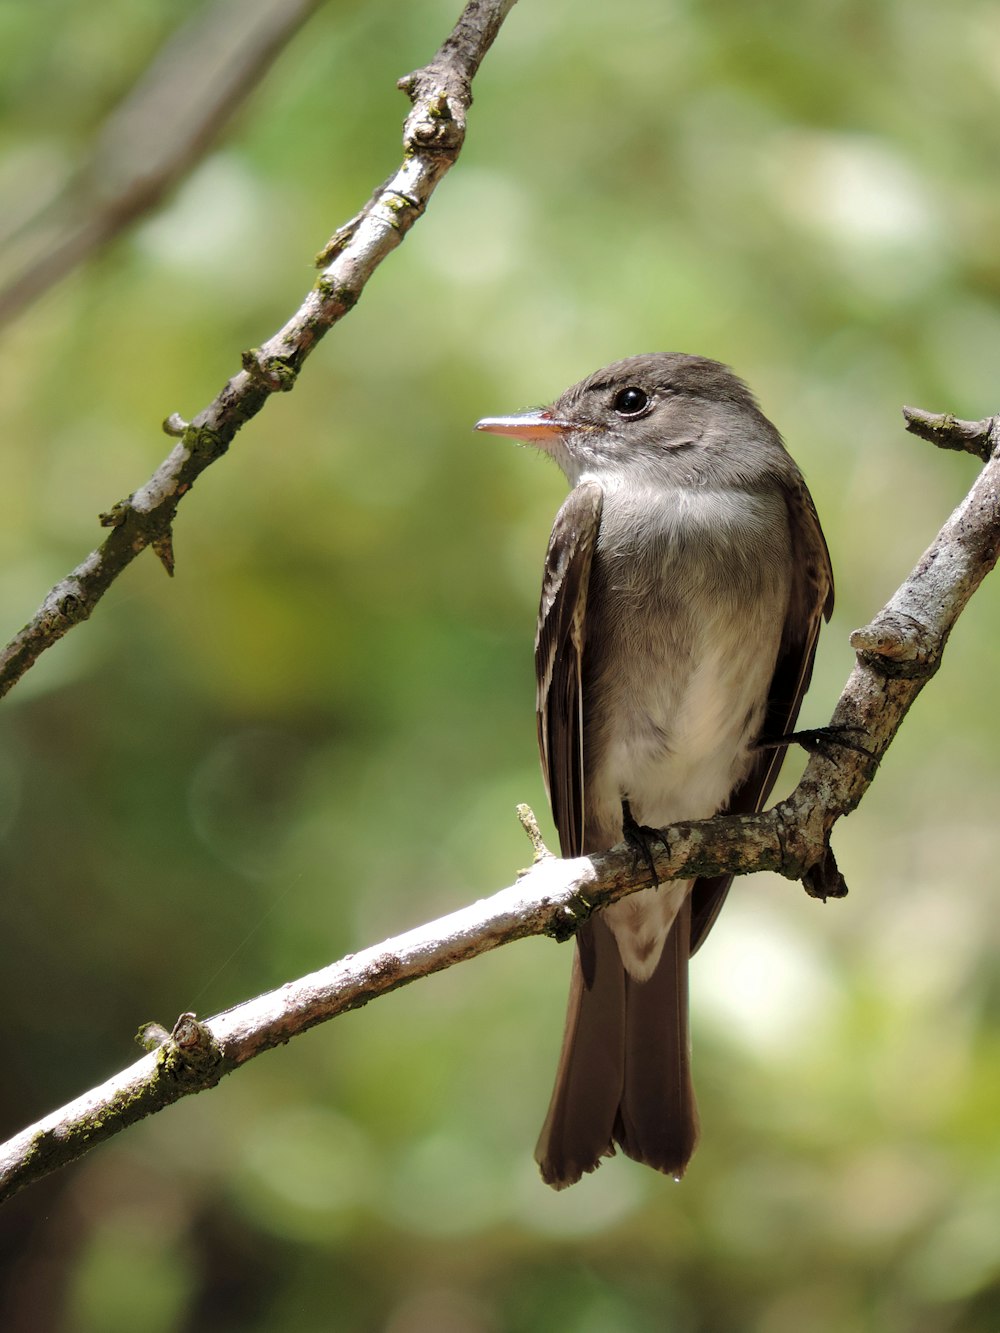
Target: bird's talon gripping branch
[
  {"x": 821, "y": 740},
  {"x": 640, "y": 837}
]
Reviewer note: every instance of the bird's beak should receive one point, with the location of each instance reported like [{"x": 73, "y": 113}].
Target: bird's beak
[{"x": 536, "y": 427}]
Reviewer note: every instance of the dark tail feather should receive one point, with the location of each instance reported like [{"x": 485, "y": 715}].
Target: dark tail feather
[
  {"x": 624, "y": 1073},
  {"x": 658, "y": 1119},
  {"x": 578, "y": 1128}
]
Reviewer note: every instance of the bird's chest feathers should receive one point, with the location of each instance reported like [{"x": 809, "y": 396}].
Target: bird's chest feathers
[{"x": 691, "y": 607}]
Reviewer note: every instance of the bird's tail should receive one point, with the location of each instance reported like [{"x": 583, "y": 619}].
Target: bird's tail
[{"x": 624, "y": 1074}]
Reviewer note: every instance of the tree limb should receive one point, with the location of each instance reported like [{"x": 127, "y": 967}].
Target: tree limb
[
  {"x": 163, "y": 127},
  {"x": 432, "y": 139},
  {"x": 898, "y": 652}
]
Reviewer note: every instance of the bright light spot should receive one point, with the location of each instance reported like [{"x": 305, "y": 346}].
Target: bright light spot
[
  {"x": 854, "y": 189},
  {"x": 215, "y": 214},
  {"x": 615, "y": 1190},
  {"x": 304, "y": 1170},
  {"x": 479, "y": 229},
  {"x": 762, "y": 981},
  {"x": 447, "y": 1186}
]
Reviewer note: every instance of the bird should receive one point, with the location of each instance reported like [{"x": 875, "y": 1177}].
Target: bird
[{"x": 684, "y": 584}]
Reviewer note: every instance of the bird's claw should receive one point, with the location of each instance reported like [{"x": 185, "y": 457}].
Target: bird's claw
[
  {"x": 639, "y": 836},
  {"x": 820, "y": 740}
]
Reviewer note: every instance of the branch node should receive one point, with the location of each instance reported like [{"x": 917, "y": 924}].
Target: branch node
[
  {"x": 433, "y": 128},
  {"x": 71, "y": 608},
  {"x": 440, "y": 93},
  {"x": 529, "y": 823},
  {"x": 204, "y": 443},
  {"x": 163, "y": 549},
  {"x": 948, "y": 432},
  {"x": 824, "y": 880},
  {"x": 569, "y": 918},
  {"x": 189, "y": 1034},
  {"x": 191, "y": 1051},
  {"x": 273, "y": 373},
  {"x": 116, "y": 515},
  {"x": 434, "y": 133},
  {"x": 175, "y": 425},
  {"x": 897, "y": 641}
]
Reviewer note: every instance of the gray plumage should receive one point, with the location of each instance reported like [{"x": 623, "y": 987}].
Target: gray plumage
[{"x": 685, "y": 580}]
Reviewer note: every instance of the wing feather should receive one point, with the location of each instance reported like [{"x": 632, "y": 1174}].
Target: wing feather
[
  {"x": 559, "y": 646},
  {"x": 811, "y": 601}
]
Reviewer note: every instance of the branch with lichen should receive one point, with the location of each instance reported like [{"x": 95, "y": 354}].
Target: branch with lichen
[
  {"x": 897, "y": 653},
  {"x": 441, "y": 94}
]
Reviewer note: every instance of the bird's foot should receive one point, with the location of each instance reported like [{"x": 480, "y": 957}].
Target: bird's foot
[
  {"x": 639, "y": 837},
  {"x": 820, "y": 740}
]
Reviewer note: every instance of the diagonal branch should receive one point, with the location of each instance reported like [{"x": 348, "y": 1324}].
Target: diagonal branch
[
  {"x": 432, "y": 139},
  {"x": 897, "y": 654},
  {"x": 164, "y": 126}
]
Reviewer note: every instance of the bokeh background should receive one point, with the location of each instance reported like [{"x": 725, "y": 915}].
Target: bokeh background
[{"x": 316, "y": 734}]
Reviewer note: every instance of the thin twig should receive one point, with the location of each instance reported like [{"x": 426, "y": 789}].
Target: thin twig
[
  {"x": 897, "y": 654},
  {"x": 432, "y": 139},
  {"x": 947, "y": 432}
]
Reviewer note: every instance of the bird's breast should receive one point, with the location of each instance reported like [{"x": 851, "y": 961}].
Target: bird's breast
[{"x": 688, "y": 597}]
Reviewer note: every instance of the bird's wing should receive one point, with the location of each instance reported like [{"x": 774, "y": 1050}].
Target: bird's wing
[
  {"x": 811, "y": 601},
  {"x": 559, "y": 646}
]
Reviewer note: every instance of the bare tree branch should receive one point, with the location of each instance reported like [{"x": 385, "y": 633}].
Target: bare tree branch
[
  {"x": 150, "y": 142},
  {"x": 897, "y": 654},
  {"x": 432, "y": 139}
]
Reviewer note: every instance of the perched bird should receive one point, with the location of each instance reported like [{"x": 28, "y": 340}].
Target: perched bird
[{"x": 684, "y": 584}]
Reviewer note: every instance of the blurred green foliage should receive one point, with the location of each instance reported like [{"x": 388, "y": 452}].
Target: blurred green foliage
[{"x": 315, "y": 735}]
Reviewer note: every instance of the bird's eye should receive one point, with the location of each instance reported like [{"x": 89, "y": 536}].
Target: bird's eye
[{"x": 631, "y": 402}]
